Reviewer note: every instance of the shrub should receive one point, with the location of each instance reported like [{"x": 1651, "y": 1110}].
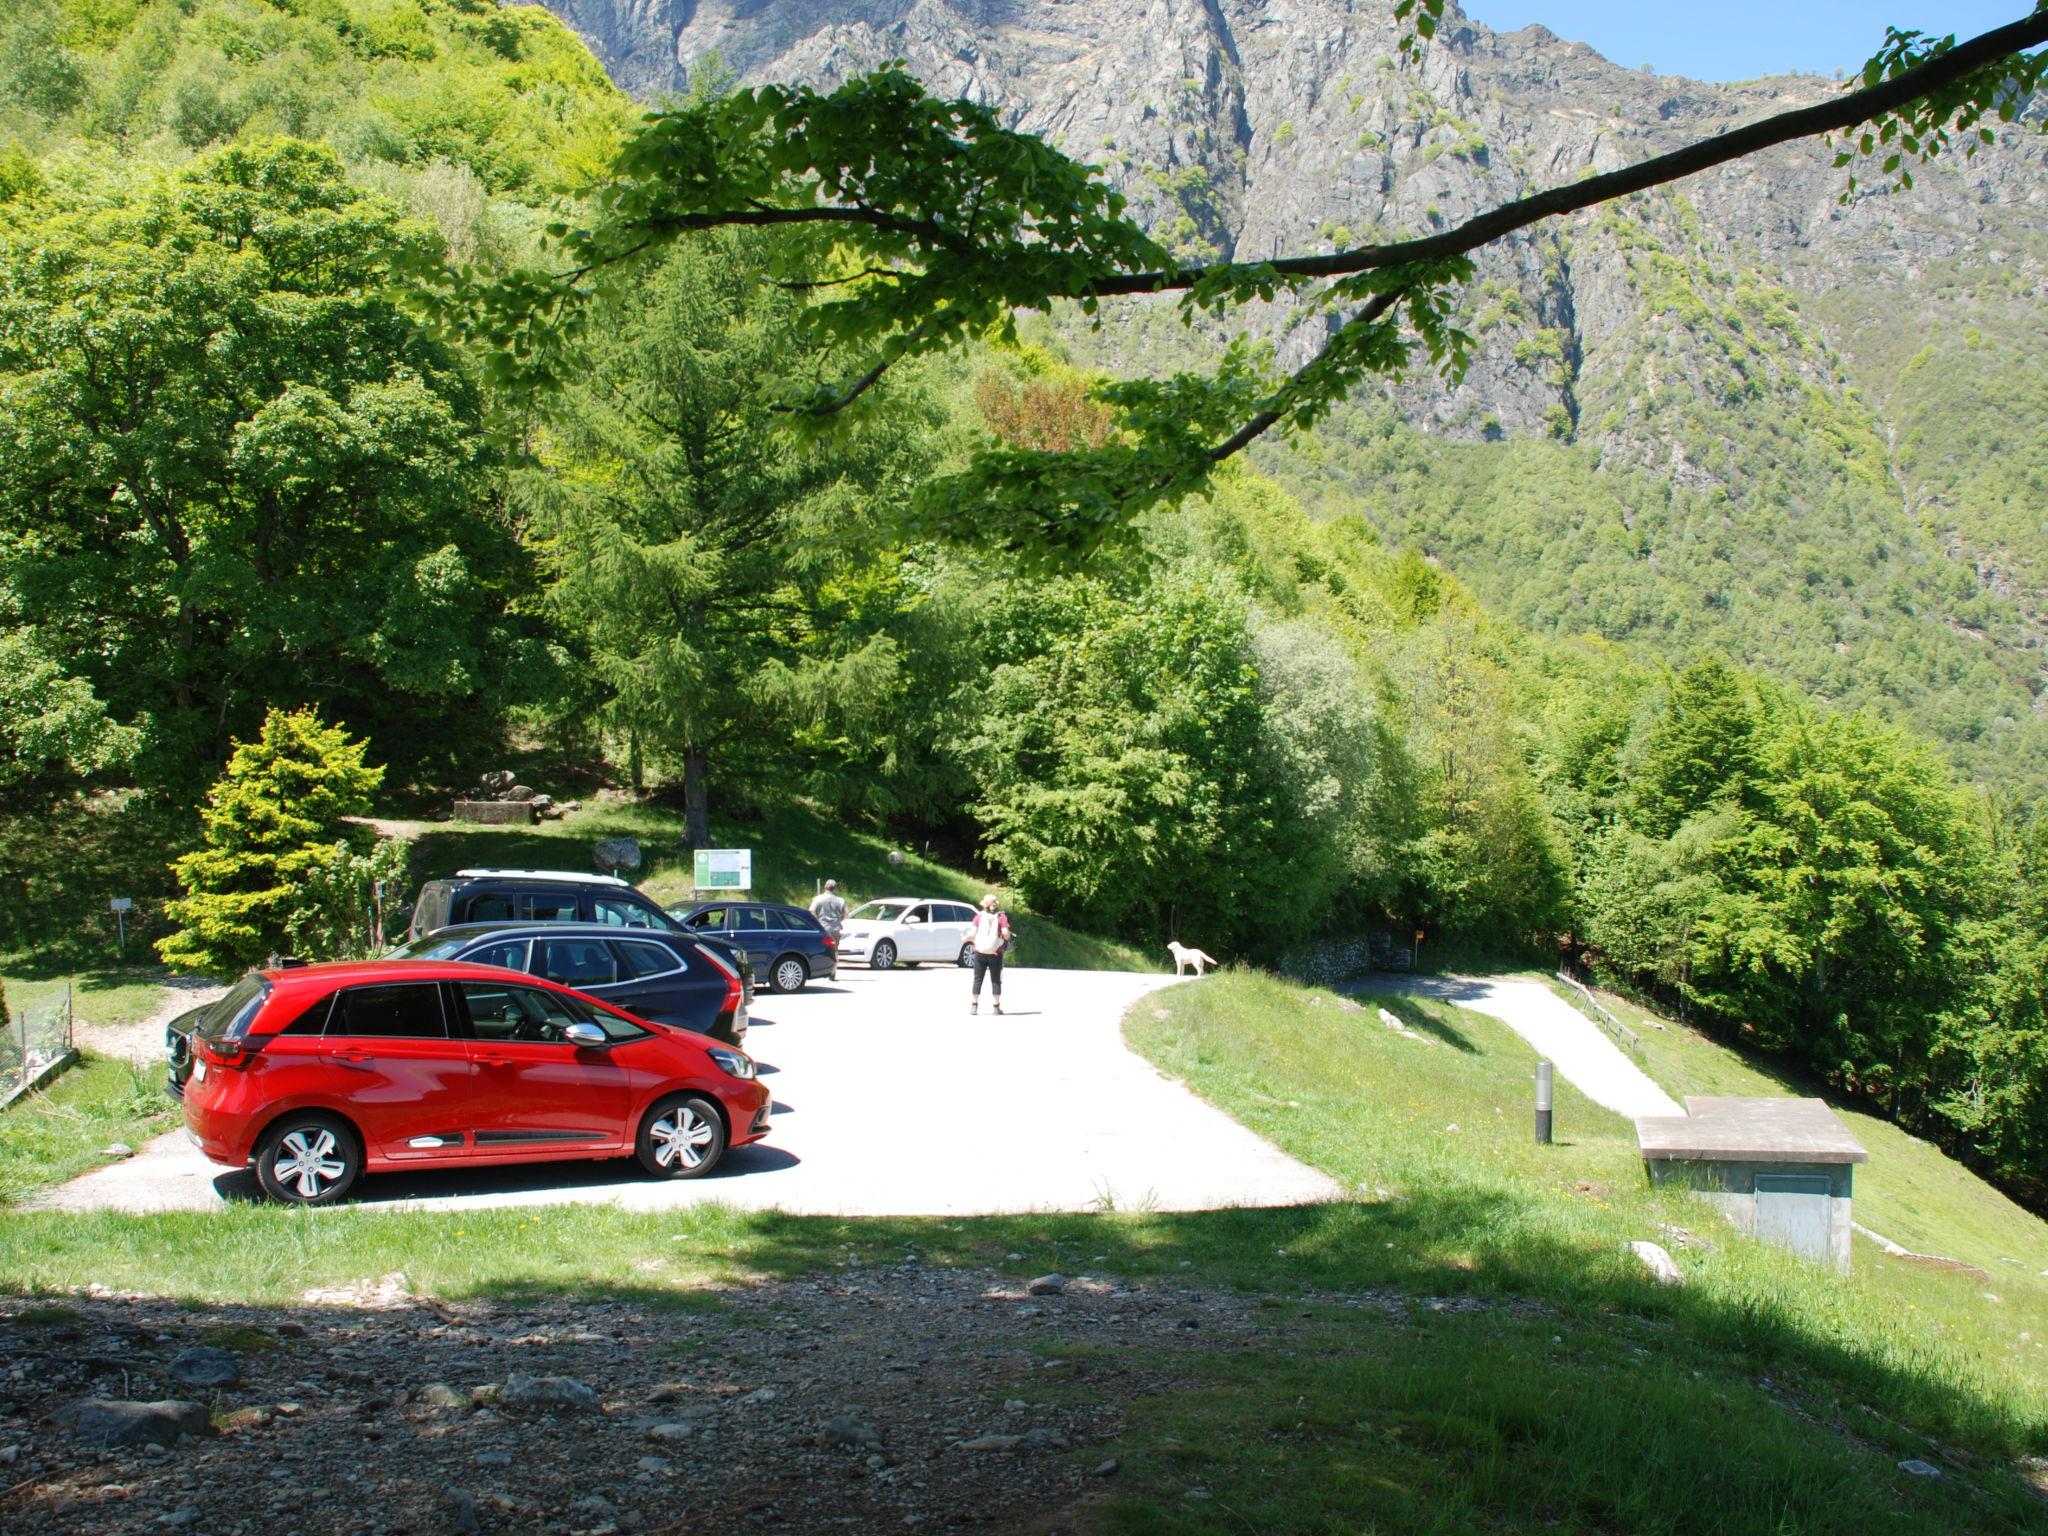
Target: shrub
[{"x": 267, "y": 871}]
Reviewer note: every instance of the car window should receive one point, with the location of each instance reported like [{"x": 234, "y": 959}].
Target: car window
[
  {"x": 877, "y": 912},
  {"x": 510, "y": 953},
  {"x": 710, "y": 917},
  {"x": 918, "y": 914},
  {"x": 620, "y": 913},
  {"x": 311, "y": 1021},
  {"x": 399, "y": 1011},
  {"x": 638, "y": 957},
  {"x": 549, "y": 907},
  {"x": 953, "y": 912},
  {"x": 575, "y": 962},
  {"x": 488, "y": 907},
  {"x": 230, "y": 1018},
  {"x": 533, "y": 1015},
  {"x": 792, "y": 922}
]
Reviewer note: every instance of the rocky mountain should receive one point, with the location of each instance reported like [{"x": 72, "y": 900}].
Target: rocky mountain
[{"x": 1741, "y": 413}]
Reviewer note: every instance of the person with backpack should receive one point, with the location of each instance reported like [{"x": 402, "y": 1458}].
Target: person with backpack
[{"x": 991, "y": 938}]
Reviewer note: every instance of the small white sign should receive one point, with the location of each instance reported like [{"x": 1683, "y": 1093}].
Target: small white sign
[{"x": 121, "y": 904}]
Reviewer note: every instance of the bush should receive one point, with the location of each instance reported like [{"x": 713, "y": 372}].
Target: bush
[{"x": 272, "y": 868}]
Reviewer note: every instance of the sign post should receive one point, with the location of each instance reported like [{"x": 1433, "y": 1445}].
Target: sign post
[
  {"x": 1543, "y": 1071},
  {"x": 120, "y": 906},
  {"x": 725, "y": 869}
]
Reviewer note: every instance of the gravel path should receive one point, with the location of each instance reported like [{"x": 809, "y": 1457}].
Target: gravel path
[
  {"x": 1580, "y": 1050},
  {"x": 916, "y": 1396},
  {"x": 890, "y": 1101},
  {"x": 143, "y": 1039}
]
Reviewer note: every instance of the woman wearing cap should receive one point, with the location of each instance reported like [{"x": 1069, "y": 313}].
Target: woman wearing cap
[{"x": 991, "y": 938}]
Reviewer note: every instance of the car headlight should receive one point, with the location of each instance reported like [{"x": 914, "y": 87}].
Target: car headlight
[{"x": 733, "y": 1063}]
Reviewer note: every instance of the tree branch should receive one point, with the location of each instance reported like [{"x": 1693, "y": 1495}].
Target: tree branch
[
  {"x": 1805, "y": 122},
  {"x": 1265, "y": 420}
]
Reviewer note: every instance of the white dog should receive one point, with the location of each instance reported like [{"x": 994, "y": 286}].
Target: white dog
[{"x": 1184, "y": 956}]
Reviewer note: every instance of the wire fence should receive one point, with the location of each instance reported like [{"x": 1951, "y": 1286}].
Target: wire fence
[{"x": 35, "y": 1040}]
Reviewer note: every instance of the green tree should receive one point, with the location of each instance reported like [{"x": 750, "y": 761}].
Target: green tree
[
  {"x": 235, "y": 471},
  {"x": 1699, "y": 751},
  {"x": 272, "y": 825},
  {"x": 54, "y": 732},
  {"x": 952, "y": 222},
  {"x": 714, "y": 563}
]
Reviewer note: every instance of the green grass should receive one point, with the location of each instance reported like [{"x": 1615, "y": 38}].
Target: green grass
[
  {"x": 795, "y": 849},
  {"x": 57, "y": 1134},
  {"x": 110, "y": 995},
  {"x": 1763, "y": 1395},
  {"x": 1910, "y": 1190}
]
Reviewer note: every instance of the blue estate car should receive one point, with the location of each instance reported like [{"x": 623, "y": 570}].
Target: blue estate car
[
  {"x": 694, "y": 981},
  {"x": 785, "y": 944}
]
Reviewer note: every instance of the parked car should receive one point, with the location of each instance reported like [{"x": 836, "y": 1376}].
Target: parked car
[
  {"x": 693, "y": 981},
  {"x": 317, "y": 1074},
  {"x": 908, "y": 930},
  {"x": 785, "y": 944},
  {"x": 533, "y": 896}
]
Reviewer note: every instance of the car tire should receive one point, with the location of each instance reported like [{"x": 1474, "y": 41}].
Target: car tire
[
  {"x": 966, "y": 956},
  {"x": 788, "y": 974},
  {"x": 882, "y": 957},
  {"x": 676, "y": 1129},
  {"x": 306, "y": 1158}
]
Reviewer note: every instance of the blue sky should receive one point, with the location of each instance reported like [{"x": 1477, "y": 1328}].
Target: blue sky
[{"x": 1739, "y": 39}]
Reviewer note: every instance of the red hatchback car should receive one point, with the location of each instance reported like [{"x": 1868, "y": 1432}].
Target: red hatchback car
[{"x": 316, "y": 1074}]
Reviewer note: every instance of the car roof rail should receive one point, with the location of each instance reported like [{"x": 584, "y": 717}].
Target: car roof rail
[{"x": 574, "y": 877}]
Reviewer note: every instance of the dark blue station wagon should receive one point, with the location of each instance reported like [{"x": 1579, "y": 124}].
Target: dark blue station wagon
[{"x": 691, "y": 981}]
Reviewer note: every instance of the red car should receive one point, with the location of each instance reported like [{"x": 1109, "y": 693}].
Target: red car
[{"x": 319, "y": 1073}]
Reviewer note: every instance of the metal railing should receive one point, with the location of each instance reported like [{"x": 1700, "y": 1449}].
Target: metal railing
[
  {"x": 34, "y": 1046},
  {"x": 1621, "y": 1032}
]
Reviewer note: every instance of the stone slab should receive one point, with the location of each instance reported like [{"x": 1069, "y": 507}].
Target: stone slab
[
  {"x": 1770, "y": 1130},
  {"x": 496, "y": 812}
]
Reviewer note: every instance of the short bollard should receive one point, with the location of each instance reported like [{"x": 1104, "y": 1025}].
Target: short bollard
[{"x": 1543, "y": 1103}]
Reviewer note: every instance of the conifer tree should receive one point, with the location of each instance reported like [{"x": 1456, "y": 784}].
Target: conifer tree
[{"x": 271, "y": 827}]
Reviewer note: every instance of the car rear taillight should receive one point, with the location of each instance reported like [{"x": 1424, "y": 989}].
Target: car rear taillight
[
  {"x": 733, "y": 995},
  {"x": 224, "y": 1053},
  {"x": 830, "y": 942}
]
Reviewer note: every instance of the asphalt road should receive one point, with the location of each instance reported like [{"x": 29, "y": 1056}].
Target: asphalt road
[
  {"x": 1580, "y": 1050},
  {"x": 889, "y": 1100}
]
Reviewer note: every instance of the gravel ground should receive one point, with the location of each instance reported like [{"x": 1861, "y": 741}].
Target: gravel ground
[
  {"x": 913, "y": 1397},
  {"x": 143, "y": 1040}
]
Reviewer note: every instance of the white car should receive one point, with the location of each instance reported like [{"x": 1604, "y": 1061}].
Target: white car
[{"x": 908, "y": 930}]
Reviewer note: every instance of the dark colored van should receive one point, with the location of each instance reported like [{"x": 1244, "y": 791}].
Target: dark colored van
[{"x": 534, "y": 896}]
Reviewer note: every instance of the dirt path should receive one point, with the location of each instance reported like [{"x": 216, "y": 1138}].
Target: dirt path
[
  {"x": 1583, "y": 1055},
  {"x": 143, "y": 1039}
]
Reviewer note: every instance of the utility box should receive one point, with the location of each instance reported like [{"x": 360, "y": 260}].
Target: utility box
[{"x": 1780, "y": 1170}]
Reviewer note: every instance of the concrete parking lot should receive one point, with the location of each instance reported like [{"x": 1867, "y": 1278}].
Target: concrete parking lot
[{"x": 889, "y": 1100}]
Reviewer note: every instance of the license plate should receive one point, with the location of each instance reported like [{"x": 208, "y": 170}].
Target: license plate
[{"x": 199, "y": 1071}]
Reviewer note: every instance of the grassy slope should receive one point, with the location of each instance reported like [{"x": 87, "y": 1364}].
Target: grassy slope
[
  {"x": 1909, "y": 1190},
  {"x": 794, "y": 850},
  {"x": 57, "y": 1134}
]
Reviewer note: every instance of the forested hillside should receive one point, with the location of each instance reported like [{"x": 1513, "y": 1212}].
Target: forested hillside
[
  {"x": 1756, "y": 466},
  {"x": 244, "y": 468}
]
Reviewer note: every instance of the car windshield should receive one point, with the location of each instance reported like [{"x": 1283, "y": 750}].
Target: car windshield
[
  {"x": 878, "y": 912},
  {"x": 432, "y": 947},
  {"x": 229, "y": 1018}
]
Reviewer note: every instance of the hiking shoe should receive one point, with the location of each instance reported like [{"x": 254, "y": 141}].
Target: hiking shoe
[
  {"x": 974, "y": 1008},
  {"x": 999, "y": 1007}
]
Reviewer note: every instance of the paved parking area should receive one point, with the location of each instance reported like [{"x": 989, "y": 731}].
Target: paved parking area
[{"x": 889, "y": 1101}]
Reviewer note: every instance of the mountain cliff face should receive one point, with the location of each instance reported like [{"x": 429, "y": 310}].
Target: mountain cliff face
[{"x": 1803, "y": 432}]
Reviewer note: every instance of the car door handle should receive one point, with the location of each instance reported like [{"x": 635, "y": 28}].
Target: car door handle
[{"x": 494, "y": 1061}]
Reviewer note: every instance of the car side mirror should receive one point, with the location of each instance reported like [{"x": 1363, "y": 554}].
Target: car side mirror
[
  {"x": 909, "y": 920},
  {"x": 585, "y": 1035}
]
